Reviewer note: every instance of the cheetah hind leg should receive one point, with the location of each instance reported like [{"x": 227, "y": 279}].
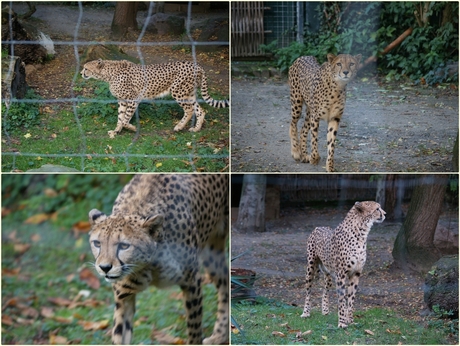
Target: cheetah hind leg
[
  {"x": 187, "y": 106},
  {"x": 312, "y": 267},
  {"x": 199, "y": 112},
  {"x": 326, "y": 288},
  {"x": 215, "y": 262},
  {"x": 125, "y": 113}
]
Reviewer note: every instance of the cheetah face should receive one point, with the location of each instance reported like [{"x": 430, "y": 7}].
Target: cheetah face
[
  {"x": 92, "y": 69},
  {"x": 371, "y": 211},
  {"x": 123, "y": 245},
  {"x": 344, "y": 66}
]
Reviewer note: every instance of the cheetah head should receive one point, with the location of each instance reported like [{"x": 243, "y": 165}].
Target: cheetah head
[
  {"x": 344, "y": 66},
  {"x": 370, "y": 211},
  {"x": 92, "y": 69},
  {"x": 124, "y": 244}
]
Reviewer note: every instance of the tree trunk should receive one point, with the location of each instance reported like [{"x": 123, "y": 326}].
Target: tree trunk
[
  {"x": 414, "y": 249},
  {"x": 455, "y": 155},
  {"x": 251, "y": 213},
  {"x": 124, "y": 18}
]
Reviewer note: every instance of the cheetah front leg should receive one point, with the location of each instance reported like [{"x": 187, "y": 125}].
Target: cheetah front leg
[
  {"x": 296, "y": 112},
  {"x": 126, "y": 111},
  {"x": 341, "y": 282},
  {"x": 125, "y": 307},
  {"x": 193, "y": 309},
  {"x": 332, "y": 128},
  {"x": 187, "y": 106},
  {"x": 327, "y": 286},
  {"x": 352, "y": 287}
]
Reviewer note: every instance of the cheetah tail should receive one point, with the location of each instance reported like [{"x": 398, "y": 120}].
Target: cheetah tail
[{"x": 209, "y": 100}]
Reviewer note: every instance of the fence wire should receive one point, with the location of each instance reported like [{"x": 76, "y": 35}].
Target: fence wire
[{"x": 74, "y": 100}]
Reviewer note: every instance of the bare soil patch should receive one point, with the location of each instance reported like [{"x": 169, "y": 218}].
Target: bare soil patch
[{"x": 392, "y": 127}]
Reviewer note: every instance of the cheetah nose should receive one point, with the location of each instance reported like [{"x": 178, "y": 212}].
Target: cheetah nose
[
  {"x": 105, "y": 267},
  {"x": 345, "y": 73}
]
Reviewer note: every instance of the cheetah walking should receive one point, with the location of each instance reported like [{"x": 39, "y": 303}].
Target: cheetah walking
[
  {"x": 341, "y": 253},
  {"x": 161, "y": 227},
  {"x": 323, "y": 90},
  {"x": 131, "y": 83}
]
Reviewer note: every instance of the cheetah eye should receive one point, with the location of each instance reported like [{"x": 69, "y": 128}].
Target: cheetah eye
[
  {"x": 339, "y": 64},
  {"x": 352, "y": 64},
  {"x": 123, "y": 246},
  {"x": 97, "y": 243}
]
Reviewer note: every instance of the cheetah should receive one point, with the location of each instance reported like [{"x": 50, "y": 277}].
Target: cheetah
[
  {"x": 161, "y": 226},
  {"x": 131, "y": 83},
  {"x": 341, "y": 253},
  {"x": 323, "y": 90}
]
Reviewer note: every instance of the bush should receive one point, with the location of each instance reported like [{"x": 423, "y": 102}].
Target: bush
[{"x": 21, "y": 115}]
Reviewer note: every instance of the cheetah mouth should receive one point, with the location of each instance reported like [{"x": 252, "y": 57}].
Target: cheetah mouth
[{"x": 112, "y": 278}]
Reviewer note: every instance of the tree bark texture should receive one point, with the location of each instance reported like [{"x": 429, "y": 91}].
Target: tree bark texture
[
  {"x": 414, "y": 249},
  {"x": 251, "y": 213},
  {"x": 13, "y": 78},
  {"x": 124, "y": 18}
]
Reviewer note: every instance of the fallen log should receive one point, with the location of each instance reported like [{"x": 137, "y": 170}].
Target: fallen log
[{"x": 13, "y": 78}]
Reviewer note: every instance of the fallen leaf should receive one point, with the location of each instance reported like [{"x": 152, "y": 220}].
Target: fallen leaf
[
  {"x": 82, "y": 226},
  {"x": 163, "y": 338},
  {"x": 47, "y": 312},
  {"x": 275, "y": 333},
  {"x": 7, "y": 320},
  {"x": 35, "y": 237},
  {"x": 370, "y": 332},
  {"x": 10, "y": 272},
  {"x": 21, "y": 248},
  {"x": 57, "y": 340},
  {"x": 90, "y": 278},
  {"x": 60, "y": 301},
  {"x": 307, "y": 332},
  {"x": 94, "y": 325},
  {"x": 36, "y": 219}
]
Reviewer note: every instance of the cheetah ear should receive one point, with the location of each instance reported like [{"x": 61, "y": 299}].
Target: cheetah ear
[
  {"x": 330, "y": 58},
  {"x": 100, "y": 63},
  {"x": 154, "y": 226},
  {"x": 359, "y": 207},
  {"x": 96, "y": 216},
  {"x": 358, "y": 58}
]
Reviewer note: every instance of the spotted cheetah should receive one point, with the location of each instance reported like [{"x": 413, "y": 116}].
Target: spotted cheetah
[
  {"x": 131, "y": 83},
  {"x": 160, "y": 227},
  {"x": 323, "y": 90},
  {"x": 341, "y": 253}
]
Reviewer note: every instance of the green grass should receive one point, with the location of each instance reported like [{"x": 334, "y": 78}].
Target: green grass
[
  {"x": 50, "y": 269},
  {"x": 83, "y": 143},
  {"x": 262, "y": 322}
]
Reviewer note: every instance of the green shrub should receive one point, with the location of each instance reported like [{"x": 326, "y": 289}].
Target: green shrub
[{"x": 21, "y": 115}]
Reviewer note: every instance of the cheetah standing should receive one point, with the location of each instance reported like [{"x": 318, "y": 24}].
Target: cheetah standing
[
  {"x": 131, "y": 83},
  {"x": 323, "y": 90},
  {"x": 341, "y": 253}
]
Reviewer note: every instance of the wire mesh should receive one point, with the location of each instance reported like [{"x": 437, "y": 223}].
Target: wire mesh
[{"x": 83, "y": 154}]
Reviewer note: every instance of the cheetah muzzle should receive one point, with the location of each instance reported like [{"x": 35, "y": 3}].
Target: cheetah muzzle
[
  {"x": 323, "y": 91},
  {"x": 161, "y": 226},
  {"x": 341, "y": 253},
  {"x": 131, "y": 83}
]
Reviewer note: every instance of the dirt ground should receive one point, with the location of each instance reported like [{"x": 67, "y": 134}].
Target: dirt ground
[
  {"x": 54, "y": 78},
  {"x": 385, "y": 128},
  {"x": 278, "y": 258}
]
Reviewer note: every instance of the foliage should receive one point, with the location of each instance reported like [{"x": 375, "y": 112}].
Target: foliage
[
  {"x": 69, "y": 197},
  {"x": 21, "y": 115},
  {"x": 271, "y": 322},
  {"x": 367, "y": 28},
  {"x": 50, "y": 295},
  {"x": 105, "y": 105}
]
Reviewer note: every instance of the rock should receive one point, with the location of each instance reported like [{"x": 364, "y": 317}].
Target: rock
[
  {"x": 441, "y": 285},
  {"x": 162, "y": 24},
  {"x": 446, "y": 238},
  {"x": 53, "y": 168},
  {"x": 213, "y": 30}
]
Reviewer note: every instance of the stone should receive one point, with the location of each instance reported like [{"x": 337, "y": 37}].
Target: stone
[
  {"x": 166, "y": 24},
  {"x": 441, "y": 285}
]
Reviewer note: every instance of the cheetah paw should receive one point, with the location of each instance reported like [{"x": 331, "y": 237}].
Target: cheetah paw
[
  {"x": 215, "y": 340},
  {"x": 112, "y": 134},
  {"x": 193, "y": 129},
  {"x": 305, "y": 314}
]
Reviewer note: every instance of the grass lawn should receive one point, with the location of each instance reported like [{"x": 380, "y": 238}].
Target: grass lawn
[
  {"x": 75, "y": 135},
  {"x": 271, "y": 322},
  {"x": 51, "y": 296}
]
